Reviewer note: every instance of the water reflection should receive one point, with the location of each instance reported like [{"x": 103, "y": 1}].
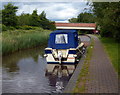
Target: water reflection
[
  {"x": 85, "y": 39},
  {"x": 10, "y": 61},
  {"x": 58, "y": 82},
  {"x": 24, "y": 72}
]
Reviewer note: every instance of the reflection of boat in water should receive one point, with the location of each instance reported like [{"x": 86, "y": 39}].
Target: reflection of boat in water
[
  {"x": 63, "y": 52},
  {"x": 58, "y": 82}
]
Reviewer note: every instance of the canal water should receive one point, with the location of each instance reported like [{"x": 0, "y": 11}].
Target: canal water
[{"x": 24, "y": 72}]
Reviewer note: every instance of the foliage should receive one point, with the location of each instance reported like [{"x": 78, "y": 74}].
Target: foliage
[
  {"x": 86, "y": 18},
  {"x": 23, "y": 19},
  {"x": 45, "y": 23},
  {"x": 4, "y": 28},
  {"x": 108, "y": 18},
  {"x": 0, "y": 16},
  {"x": 42, "y": 16},
  {"x": 34, "y": 21},
  {"x": 83, "y": 18},
  {"x": 22, "y": 39},
  {"x": 0, "y": 27},
  {"x": 10, "y": 28},
  {"x": 11, "y": 21},
  {"x": 73, "y": 20},
  {"x": 9, "y": 17},
  {"x": 25, "y": 27}
]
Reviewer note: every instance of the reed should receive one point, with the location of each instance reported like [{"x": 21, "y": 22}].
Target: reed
[{"x": 22, "y": 39}]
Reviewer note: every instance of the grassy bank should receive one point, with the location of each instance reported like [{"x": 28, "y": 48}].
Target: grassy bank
[
  {"x": 111, "y": 47},
  {"x": 22, "y": 39},
  {"x": 80, "y": 85}
]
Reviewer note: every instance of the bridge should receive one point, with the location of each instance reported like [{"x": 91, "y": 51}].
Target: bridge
[{"x": 89, "y": 27}]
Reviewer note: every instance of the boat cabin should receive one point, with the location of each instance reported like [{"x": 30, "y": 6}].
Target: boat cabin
[{"x": 63, "y": 39}]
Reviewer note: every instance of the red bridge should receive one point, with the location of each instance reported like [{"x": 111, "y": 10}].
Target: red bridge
[{"x": 89, "y": 27}]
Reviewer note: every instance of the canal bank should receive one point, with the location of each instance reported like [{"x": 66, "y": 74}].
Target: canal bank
[
  {"x": 74, "y": 78},
  {"x": 72, "y": 82},
  {"x": 101, "y": 76}
]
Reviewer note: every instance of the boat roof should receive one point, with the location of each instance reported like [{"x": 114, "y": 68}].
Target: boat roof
[
  {"x": 72, "y": 39},
  {"x": 64, "y": 31}
]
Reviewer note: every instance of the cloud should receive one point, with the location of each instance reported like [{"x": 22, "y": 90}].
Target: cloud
[
  {"x": 65, "y": 21},
  {"x": 61, "y": 11},
  {"x": 44, "y": 0},
  {"x": 54, "y": 11}
]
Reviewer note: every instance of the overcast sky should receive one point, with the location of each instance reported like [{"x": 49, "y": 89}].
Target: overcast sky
[{"x": 56, "y": 11}]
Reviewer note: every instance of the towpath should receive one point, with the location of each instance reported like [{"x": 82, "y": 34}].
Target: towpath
[{"x": 102, "y": 76}]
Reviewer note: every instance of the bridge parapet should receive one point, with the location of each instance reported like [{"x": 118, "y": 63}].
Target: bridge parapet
[{"x": 81, "y": 26}]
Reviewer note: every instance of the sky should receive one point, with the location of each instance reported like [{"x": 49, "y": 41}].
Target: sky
[{"x": 55, "y": 11}]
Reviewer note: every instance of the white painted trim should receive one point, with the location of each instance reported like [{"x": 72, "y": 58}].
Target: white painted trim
[{"x": 89, "y": 28}]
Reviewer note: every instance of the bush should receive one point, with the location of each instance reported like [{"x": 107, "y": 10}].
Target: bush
[
  {"x": 18, "y": 27},
  {"x": 4, "y": 28},
  {"x": 11, "y": 28},
  {"x": 0, "y": 27},
  {"x": 105, "y": 33},
  {"x": 38, "y": 29},
  {"x": 26, "y": 27}
]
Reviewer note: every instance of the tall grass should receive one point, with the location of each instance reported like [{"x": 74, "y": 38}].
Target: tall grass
[
  {"x": 112, "y": 47},
  {"x": 23, "y": 39}
]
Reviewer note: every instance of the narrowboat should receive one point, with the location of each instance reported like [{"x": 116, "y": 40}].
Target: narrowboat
[{"x": 64, "y": 48}]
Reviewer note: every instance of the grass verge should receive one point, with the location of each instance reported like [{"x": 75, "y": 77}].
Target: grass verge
[
  {"x": 22, "y": 39},
  {"x": 80, "y": 85},
  {"x": 111, "y": 47}
]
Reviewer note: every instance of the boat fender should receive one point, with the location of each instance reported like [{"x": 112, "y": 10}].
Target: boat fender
[{"x": 45, "y": 55}]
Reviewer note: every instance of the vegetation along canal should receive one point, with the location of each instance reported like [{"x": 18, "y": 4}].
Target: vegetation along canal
[{"x": 24, "y": 72}]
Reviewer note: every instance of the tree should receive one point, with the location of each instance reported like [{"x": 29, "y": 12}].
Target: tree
[
  {"x": 86, "y": 18},
  {"x": 108, "y": 18},
  {"x": 73, "y": 20},
  {"x": 9, "y": 17},
  {"x": 24, "y": 19},
  {"x": 0, "y": 16},
  {"x": 45, "y": 23},
  {"x": 83, "y": 18},
  {"x": 42, "y": 16},
  {"x": 34, "y": 20}
]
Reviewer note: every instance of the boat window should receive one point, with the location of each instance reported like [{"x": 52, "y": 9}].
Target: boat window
[{"x": 61, "y": 39}]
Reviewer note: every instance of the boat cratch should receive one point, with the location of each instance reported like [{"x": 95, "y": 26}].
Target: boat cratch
[{"x": 64, "y": 48}]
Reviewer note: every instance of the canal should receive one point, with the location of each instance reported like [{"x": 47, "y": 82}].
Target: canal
[{"x": 24, "y": 72}]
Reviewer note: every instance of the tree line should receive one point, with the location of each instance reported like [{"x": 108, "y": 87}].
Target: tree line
[
  {"x": 106, "y": 15},
  {"x": 10, "y": 19},
  {"x": 84, "y": 17}
]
